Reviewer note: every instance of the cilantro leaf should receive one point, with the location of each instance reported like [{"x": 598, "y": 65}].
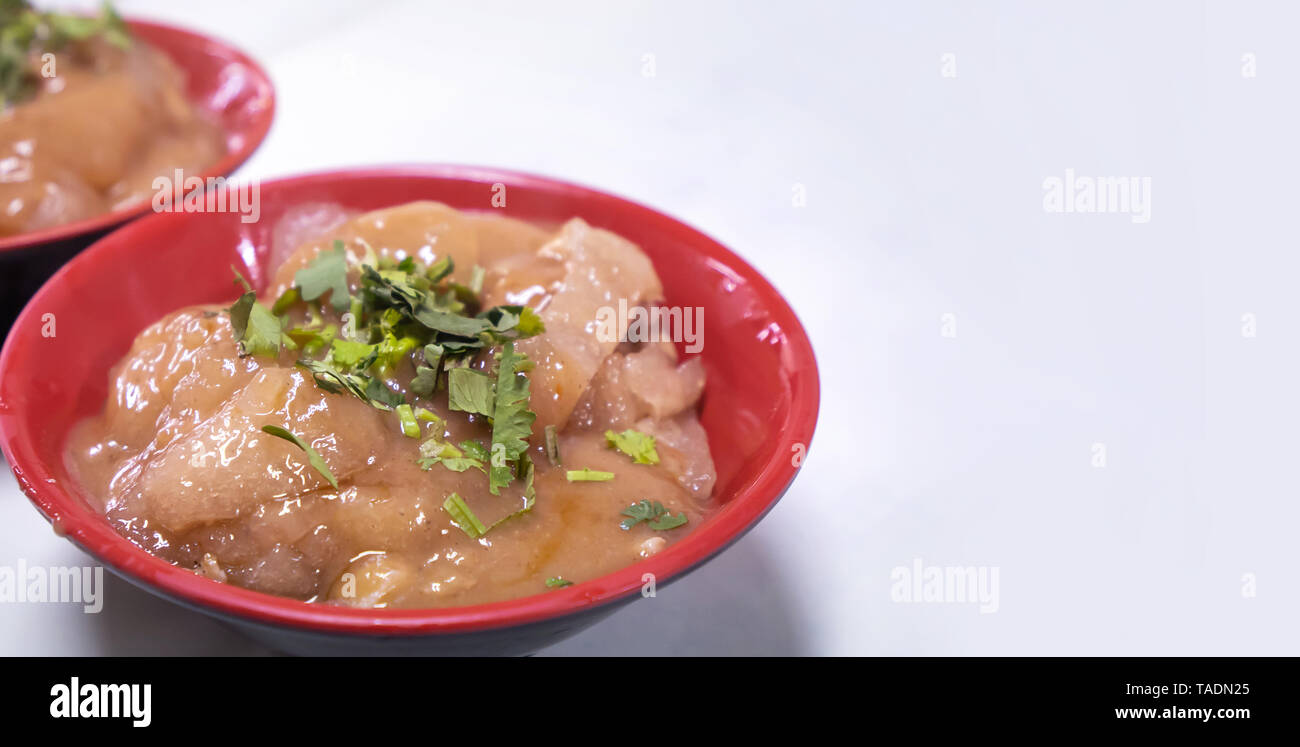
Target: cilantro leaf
[
  {"x": 476, "y": 451},
  {"x": 638, "y": 445},
  {"x": 313, "y": 456},
  {"x": 436, "y": 451},
  {"x": 256, "y": 329},
  {"x": 512, "y": 421},
  {"x": 364, "y": 388},
  {"x": 328, "y": 272},
  {"x": 654, "y": 513},
  {"x": 449, "y": 323},
  {"x": 513, "y": 322},
  {"x": 558, "y": 582},
  {"x": 425, "y": 381},
  {"x": 334, "y": 381},
  {"x": 378, "y": 391},
  {"x": 350, "y": 355},
  {"x": 471, "y": 391},
  {"x": 669, "y": 522}
]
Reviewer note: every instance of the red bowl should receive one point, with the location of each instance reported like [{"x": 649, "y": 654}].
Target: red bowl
[
  {"x": 221, "y": 80},
  {"x": 759, "y": 410}
]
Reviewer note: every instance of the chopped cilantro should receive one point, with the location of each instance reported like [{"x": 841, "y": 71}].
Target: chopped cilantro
[
  {"x": 327, "y": 272},
  {"x": 350, "y": 355},
  {"x": 513, "y": 322},
  {"x": 449, "y": 322},
  {"x": 401, "y": 307},
  {"x": 558, "y": 582},
  {"x": 257, "y": 330},
  {"x": 476, "y": 451},
  {"x": 470, "y": 391},
  {"x": 512, "y": 421},
  {"x": 436, "y": 451},
  {"x": 638, "y": 445},
  {"x": 425, "y": 381},
  {"x": 471, "y": 524},
  {"x": 669, "y": 522},
  {"x": 652, "y": 512},
  {"x": 334, "y": 381},
  {"x": 379, "y": 394},
  {"x": 286, "y": 300}
]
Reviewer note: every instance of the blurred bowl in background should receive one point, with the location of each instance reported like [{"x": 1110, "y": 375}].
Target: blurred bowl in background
[{"x": 220, "y": 80}]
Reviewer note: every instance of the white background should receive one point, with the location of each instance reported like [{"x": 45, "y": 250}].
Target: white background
[{"x": 924, "y": 198}]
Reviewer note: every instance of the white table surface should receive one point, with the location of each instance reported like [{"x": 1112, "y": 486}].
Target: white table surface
[{"x": 924, "y": 198}]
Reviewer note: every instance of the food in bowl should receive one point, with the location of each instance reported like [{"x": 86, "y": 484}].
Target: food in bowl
[
  {"x": 427, "y": 408},
  {"x": 90, "y": 117}
]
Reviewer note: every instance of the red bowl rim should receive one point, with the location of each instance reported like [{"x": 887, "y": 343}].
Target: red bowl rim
[
  {"x": 225, "y": 166},
  {"x": 744, "y": 508}
]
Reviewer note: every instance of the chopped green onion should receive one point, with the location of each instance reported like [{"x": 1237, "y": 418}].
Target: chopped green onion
[
  {"x": 407, "y": 418},
  {"x": 464, "y": 518},
  {"x": 286, "y": 300},
  {"x": 588, "y": 475},
  {"x": 553, "y": 446}
]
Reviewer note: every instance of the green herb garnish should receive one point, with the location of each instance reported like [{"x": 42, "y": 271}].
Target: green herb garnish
[
  {"x": 558, "y": 582},
  {"x": 588, "y": 475},
  {"x": 435, "y": 451},
  {"x": 512, "y": 421},
  {"x": 327, "y": 272},
  {"x": 640, "y": 446},
  {"x": 654, "y": 513},
  {"x": 464, "y": 517},
  {"x": 406, "y": 416},
  {"x": 471, "y": 391},
  {"x": 401, "y": 307},
  {"x": 669, "y": 522},
  {"x": 313, "y": 456},
  {"x": 257, "y": 330},
  {"x": 351, "y": 355},
  {"x": 471, "y": 524}
]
